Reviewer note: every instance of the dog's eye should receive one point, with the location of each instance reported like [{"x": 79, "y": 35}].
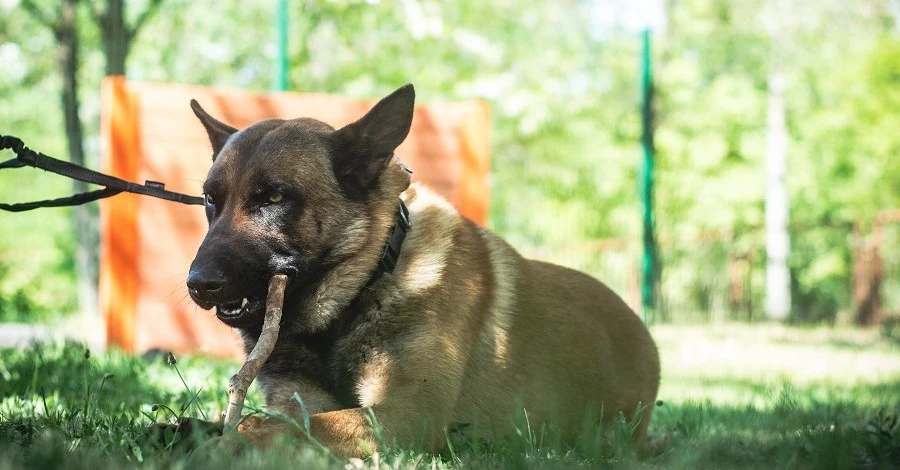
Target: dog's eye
[
  {"x": 209, "y": 200},
  {"x": 275, "y": 197}
]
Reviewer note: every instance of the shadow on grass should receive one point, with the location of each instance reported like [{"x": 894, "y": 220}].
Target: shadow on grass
[{"x": 793, "y": 429}]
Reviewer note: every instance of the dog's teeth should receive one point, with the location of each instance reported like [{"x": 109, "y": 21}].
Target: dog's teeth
[{"x": 244, "y": 302}]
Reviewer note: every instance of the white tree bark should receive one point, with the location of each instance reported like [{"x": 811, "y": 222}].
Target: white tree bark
[{"x": 778, "y": 281}]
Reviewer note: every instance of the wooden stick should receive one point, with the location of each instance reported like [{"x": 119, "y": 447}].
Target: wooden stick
[{"x": 240, "y": 382}]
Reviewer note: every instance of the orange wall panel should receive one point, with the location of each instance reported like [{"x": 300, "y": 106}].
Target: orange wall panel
[{"x": 147, "y": 244}]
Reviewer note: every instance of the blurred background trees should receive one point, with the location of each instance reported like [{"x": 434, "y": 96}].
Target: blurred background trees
[
  {"x": 60, "y": 18},
  {"x": 562, "y": 79}
]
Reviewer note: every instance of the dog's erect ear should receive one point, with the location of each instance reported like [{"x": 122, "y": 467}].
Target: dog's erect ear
[
  {"x": 218, "y": 131},
  {"x": 363, "y": 148}
]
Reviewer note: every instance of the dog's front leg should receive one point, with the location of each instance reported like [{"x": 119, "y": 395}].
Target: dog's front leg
[
  {"x": 356, "y": 432},
  {"x": 287, "y": 413},
  {"x": 346, "y": 433}
]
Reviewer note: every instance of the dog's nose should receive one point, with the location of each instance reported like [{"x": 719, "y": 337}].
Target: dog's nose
[{"x": 204, "y": 283}]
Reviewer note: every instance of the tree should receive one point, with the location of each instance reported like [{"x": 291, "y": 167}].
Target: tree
[
  {"x": 65, "y": 31},
  {"x": 117, "y": 34},
  {"x": 117, "y": 38},
  {"x": 777, "y": 204}
]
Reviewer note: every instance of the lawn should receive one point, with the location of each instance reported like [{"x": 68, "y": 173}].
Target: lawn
[{"x": 733, "y": 397}]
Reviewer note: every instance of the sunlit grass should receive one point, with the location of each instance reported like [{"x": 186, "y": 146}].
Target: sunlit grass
[
  {"x": 734, "y": 396},
  {"x": 739, "y": 364}
]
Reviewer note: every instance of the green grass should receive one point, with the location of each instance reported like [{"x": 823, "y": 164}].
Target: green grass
[{"x": 734, "y": 397}]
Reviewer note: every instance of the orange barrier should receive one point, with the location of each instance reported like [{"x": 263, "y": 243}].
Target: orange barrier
[{"x": 147, "y": 244}]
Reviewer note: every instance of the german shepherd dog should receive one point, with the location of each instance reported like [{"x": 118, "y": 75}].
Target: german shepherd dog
[{"x": 397, "y": 305}]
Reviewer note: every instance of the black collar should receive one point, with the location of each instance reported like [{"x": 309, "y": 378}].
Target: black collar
[{"x": 392, "y": 248}]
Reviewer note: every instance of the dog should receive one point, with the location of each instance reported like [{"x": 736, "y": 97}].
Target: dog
[{"x": 398, "y": 307}]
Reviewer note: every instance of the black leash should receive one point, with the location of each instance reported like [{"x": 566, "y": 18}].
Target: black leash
[{"x": 27, "y": 157}]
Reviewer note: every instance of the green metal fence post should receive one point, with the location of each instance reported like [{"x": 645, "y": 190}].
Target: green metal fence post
[
  {"x": 279, "y": 79},
  {"x": 650, "y": 267}
]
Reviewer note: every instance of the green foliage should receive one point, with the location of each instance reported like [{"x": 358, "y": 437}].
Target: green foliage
[
  {"x": 36, "y": 249},
  {"x": 563, "y": 88}
]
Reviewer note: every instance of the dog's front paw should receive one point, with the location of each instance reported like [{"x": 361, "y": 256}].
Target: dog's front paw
[
  {"x": 186, "y": 433},
  {"x": 253, "y": 434},
  {"x": 235, "y": 443}
]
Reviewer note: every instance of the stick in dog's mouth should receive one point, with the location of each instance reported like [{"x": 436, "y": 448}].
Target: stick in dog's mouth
[{"x": 240, "y": 382}]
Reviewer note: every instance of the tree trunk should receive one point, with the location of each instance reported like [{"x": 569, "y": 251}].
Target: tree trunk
[
  {"x": 778, "y": 280},
  {"x": 868, "y": 275},
  {"x": 84, "y": 216},
  {"x": 116, "y": 37}
]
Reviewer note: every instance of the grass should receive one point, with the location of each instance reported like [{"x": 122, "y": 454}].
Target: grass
[{"x": 734, "y": 397}]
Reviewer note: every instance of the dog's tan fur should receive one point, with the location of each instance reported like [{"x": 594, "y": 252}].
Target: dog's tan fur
[
  {"x": 464, "y": 333},
  {"x": 489, "y": 331}
]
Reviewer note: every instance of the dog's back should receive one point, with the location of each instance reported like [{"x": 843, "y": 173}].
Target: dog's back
[{"x": 529, "y": 336}]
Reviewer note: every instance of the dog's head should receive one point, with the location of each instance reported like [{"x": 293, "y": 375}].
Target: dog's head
[{"x": 295, "y": 197}]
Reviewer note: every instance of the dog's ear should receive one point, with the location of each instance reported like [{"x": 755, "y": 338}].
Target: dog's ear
[
  {"x": 362, "y": 149},
  {"x": 218, "y": 131}
]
